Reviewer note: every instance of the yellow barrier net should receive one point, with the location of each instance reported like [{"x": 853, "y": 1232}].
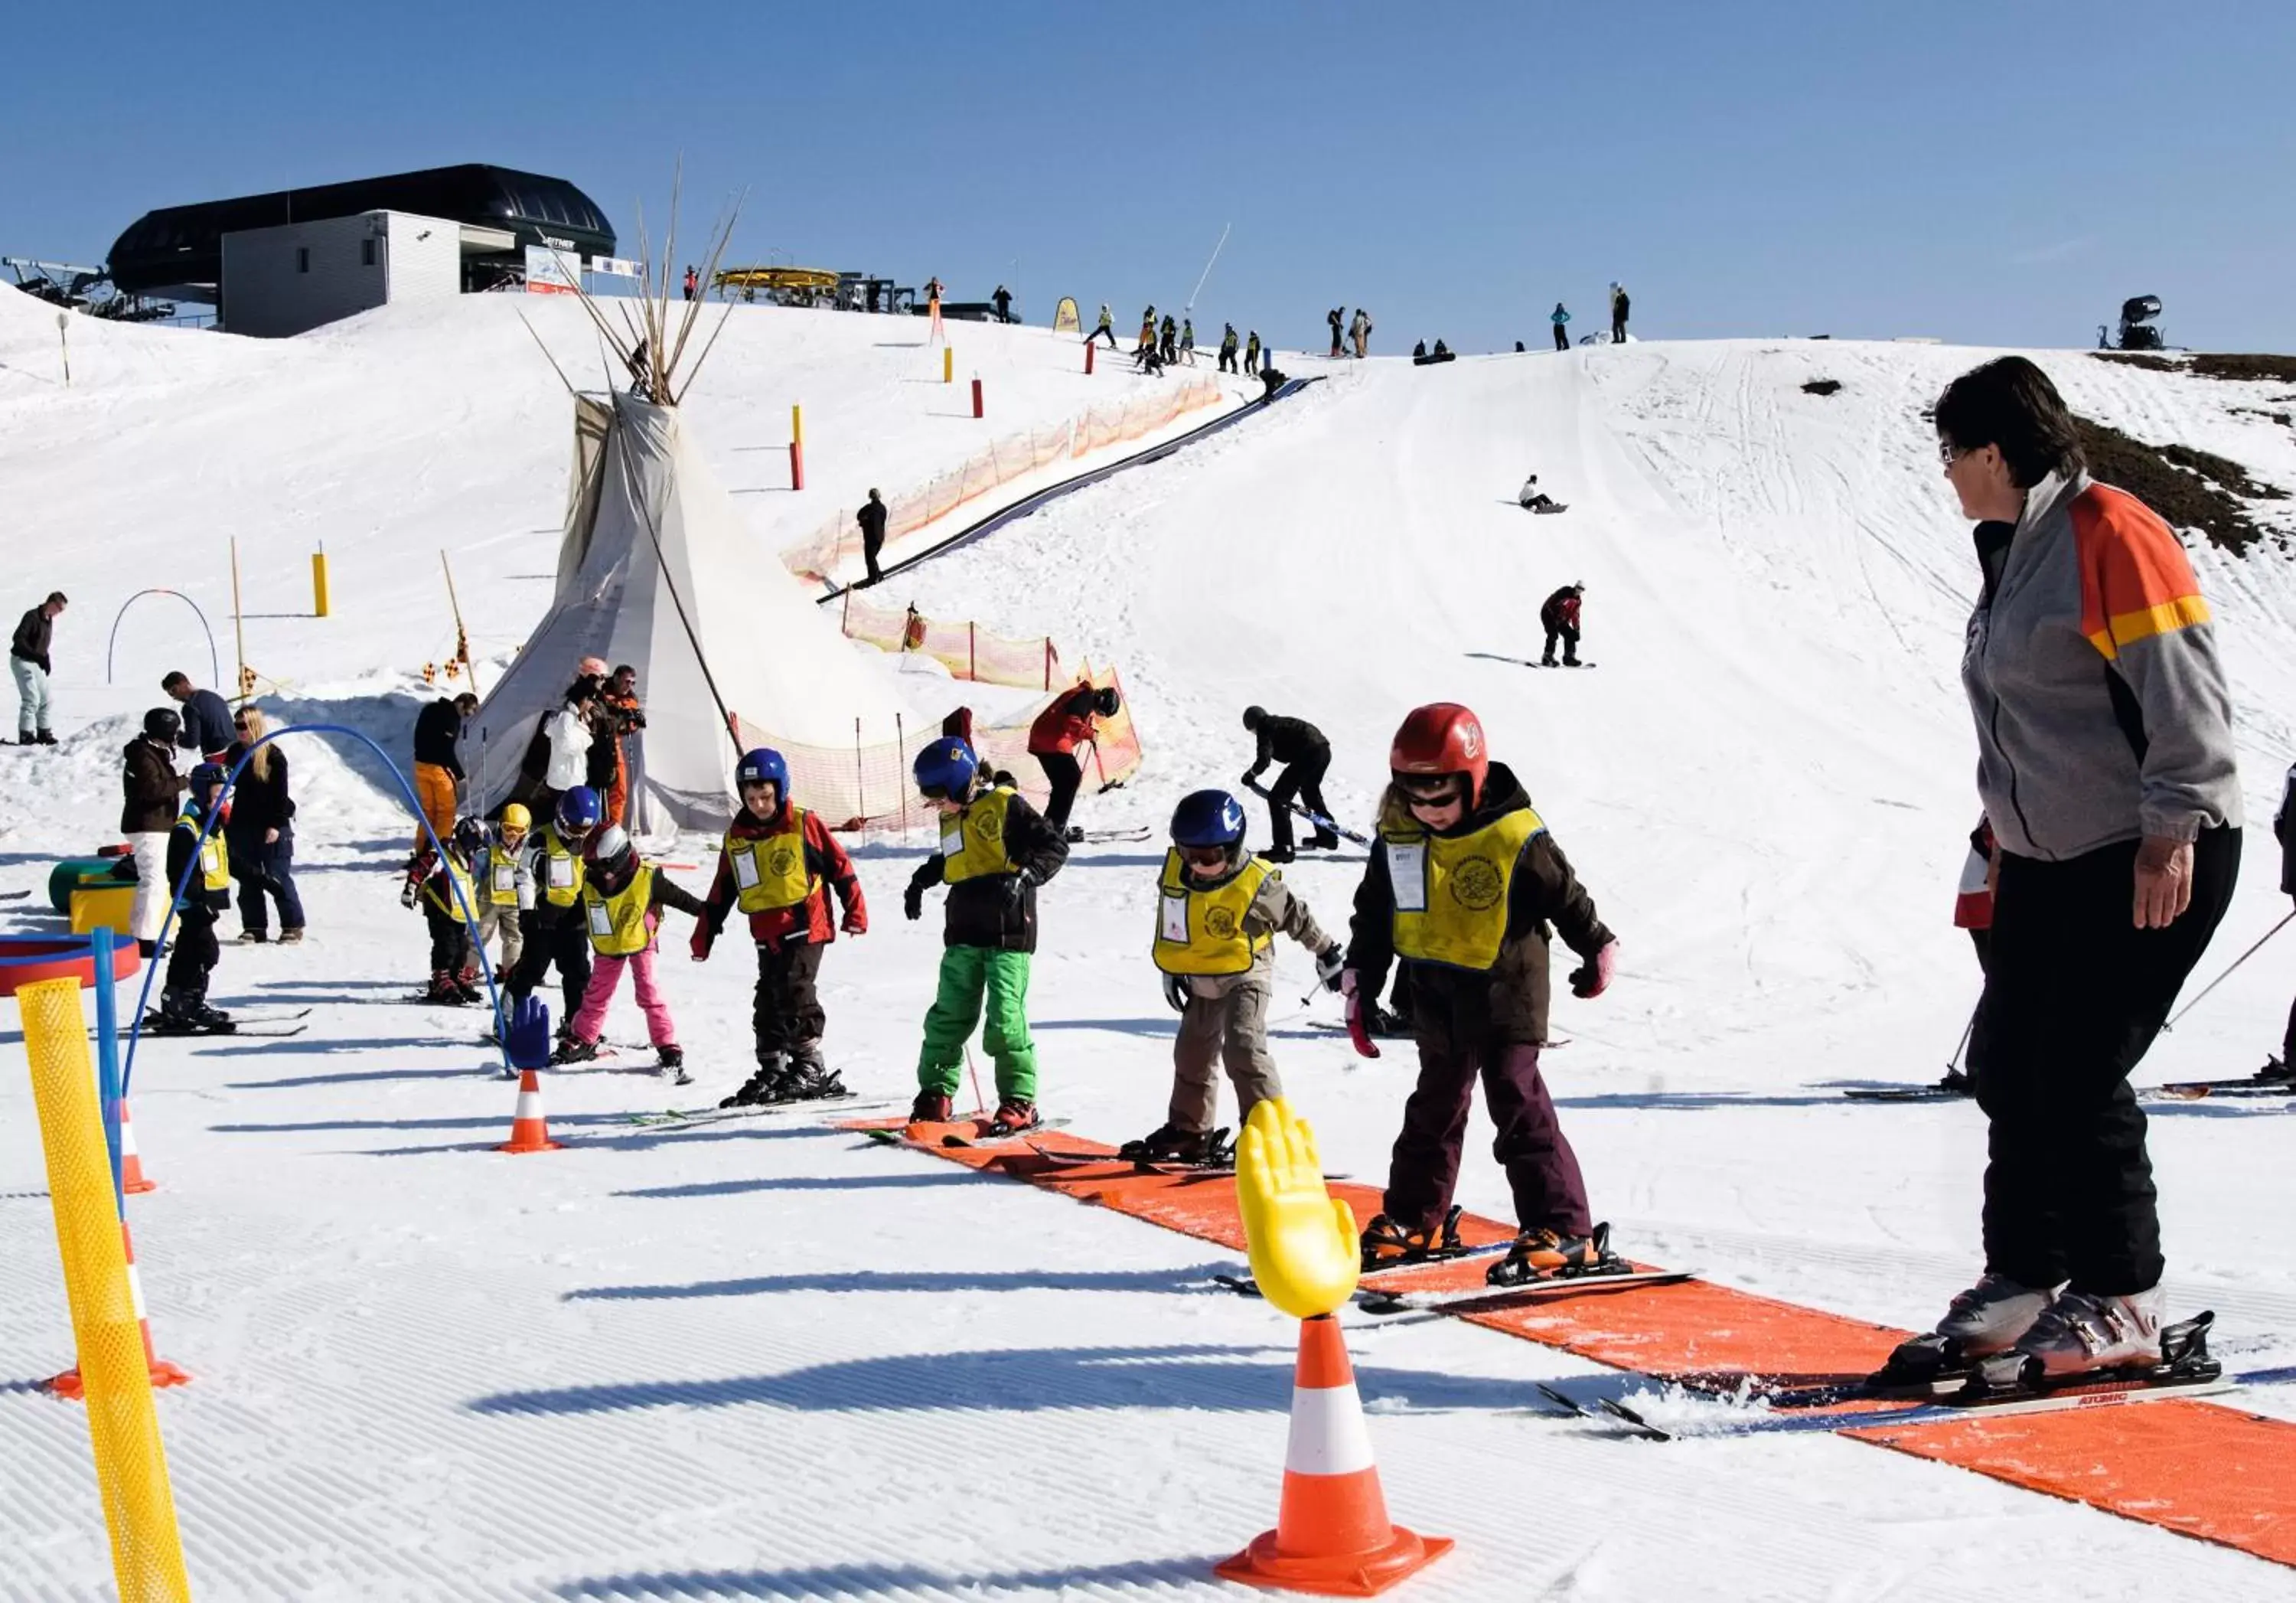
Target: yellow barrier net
[{"x": 131, "y": 1467}]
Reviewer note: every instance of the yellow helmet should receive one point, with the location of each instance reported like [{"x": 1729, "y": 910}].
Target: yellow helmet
[{"x": 516, "y": 816}]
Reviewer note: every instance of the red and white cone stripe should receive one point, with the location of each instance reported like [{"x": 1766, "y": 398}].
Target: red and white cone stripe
[{"x": 133, "y": 1180}]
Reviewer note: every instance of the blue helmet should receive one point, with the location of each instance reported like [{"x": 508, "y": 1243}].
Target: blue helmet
[
  {"x": 944, "y": 770},
  {"x": 763, "y": 766},
  {"x": 578, "y": 810},
  {"x": 1208, "y": 818},
  {"x": 204, "y": 774}
]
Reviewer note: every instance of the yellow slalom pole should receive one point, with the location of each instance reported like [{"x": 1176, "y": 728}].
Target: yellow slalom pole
[
  {"x": 131, "y": 1465},
  {"x": 319, "y": 582},
  {"x": 948, "y": 365}
]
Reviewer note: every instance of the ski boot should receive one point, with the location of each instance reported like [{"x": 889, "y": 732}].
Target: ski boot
[
  {"x": 670, "y": 1064},
  {"x": 1277, "y": 854},
  {"x": 1387, "y": 1245},
  {"x": 443, "y": 992},
  {"x": 1385, "y": 1025},
  {"x": 2273, "y": 1073},
  {"x": 1991, "y": 1317},
  {"x": 1958, "y": 1084},
  {"x": 575, "y": 1049},
  {"x": 808, "y": 1079},
  {"x": 466, "y": 986},
  {"x": 1543, "y": 1253},
  {"x": 1168, "y": 1143},
  {"x": 1075, "y": 833},
  {"x": 1014, "y": 1116},
  {"x": 211, "y": 1021},
  {"x": 249, "y": 938},
  {"x": 1323, "y": 840},
  {"x": 930, "y": 1107},
  {"x": 762, "y": 1087},
  {"x": 2081, "y": 1332},
  {"x": 176, "y": 1016}
]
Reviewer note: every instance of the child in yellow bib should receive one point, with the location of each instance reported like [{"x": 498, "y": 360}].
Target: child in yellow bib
[
  {"x": 622, "y": 899},
  {"x": 1218, "y": 911}
]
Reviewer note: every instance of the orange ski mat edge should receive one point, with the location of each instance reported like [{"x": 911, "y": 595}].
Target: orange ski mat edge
[{"x": 2144, "y": 1464}]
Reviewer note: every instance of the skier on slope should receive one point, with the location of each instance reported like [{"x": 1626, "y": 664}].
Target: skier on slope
[
  {"x": 1307, "y": 756},
  {"x": 1462, "y": 888},
  {"x": 994, "y": 852},
  {"x": 777, "y": 866},
  {"x": 505, "y": 889},
  {"x": 1218, "y": 911},
  {"x": 1069, "y": 723},
  {"x": 184, "y": 1007},
  {"x": 1105, "y": 326},
  {"x": 555, "y": 931},
  {"x": 1558, "y": 615},
  {"x": 1251, "y": 355},
  {"x": 1187, "y": 346},
  {"x": 446, "y": 890},
  {"x": 622, "y": 899}
]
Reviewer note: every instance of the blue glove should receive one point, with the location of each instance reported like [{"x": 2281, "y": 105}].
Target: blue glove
[{"x": 529, "y": 1045}]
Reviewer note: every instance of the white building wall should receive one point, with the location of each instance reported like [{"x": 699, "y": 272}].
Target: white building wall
[{"x": 297, "y": 277}]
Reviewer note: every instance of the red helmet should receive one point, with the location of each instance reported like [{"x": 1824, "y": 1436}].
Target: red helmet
[{"x": 1442, "y": 737}]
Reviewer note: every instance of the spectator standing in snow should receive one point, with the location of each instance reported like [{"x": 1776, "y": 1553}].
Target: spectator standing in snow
[
  {"x": 1560, "y": 320},
  {"x": 260, "y": 830},
  {"x": 207, "y": 718},
  {"x": 1252, "y": 353},
  {"x": 872, "y": 519},
  {"x": 625, "y": 721},
  {"x": 1170, "y": 343},
  {"x": 1620, "y": 307},
  {"x": 2109, "y": 778},
  {"x": 1002, "y": 301},
  {"x": 1188, "y": 341},
  {"x": 1227, "y": 348},
  {"x": 1359, "y": 331},
  {"x": 439, "y": 762},
  {"x": 693, "y": 281},
  {"x": 153, "y": 795},
  {"x": 1106, "y": 325},
  {"x": 1336, "y": 317},
  {"x": 1558, "y": 615},
  {"x": 28, "y": 660}
]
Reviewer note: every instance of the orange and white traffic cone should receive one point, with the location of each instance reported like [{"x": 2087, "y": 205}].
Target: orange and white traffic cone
[
  {"x": 1331, "y": 1533},
  {"x": 132, "y": 1178},
  {"x": 529, "y": 1131},
  {"x": 68, "y": 1384}
]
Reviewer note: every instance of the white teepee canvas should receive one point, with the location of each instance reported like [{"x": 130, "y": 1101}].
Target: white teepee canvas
[{"x": 657, "y": 570}]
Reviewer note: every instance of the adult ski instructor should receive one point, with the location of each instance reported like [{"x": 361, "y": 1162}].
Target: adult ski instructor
[
  {"x": 1307, "y": 756},
  {"x": 2106, "y": 766}
]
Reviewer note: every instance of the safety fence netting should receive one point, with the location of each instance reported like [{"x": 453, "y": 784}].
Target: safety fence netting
[
  {"x": 819, "y": 555},
  {"x": 965, "y": 649},
  {"x": 869, "y": 784}
]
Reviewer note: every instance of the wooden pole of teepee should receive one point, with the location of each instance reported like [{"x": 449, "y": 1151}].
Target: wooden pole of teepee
[
  {"x": 462, "y": 640},
  {"x": 238, "y": 623}
]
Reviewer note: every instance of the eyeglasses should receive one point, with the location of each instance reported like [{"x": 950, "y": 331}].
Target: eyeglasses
[{"x": 1949, "y": 453}]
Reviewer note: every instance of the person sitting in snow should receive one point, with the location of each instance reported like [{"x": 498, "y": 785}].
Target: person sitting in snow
[
  {"x": 1531, "y": 498},
  {"x": 622, "y": 899},
  {"x": 777, "y": 865},
  {"x": 1219, "y": 909}
]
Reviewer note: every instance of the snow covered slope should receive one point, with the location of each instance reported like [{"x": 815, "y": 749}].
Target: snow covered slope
[{"x": 762, "y": 1359}]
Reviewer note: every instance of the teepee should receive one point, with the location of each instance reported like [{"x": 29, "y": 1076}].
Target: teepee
[{"x": 656, "y": 569}]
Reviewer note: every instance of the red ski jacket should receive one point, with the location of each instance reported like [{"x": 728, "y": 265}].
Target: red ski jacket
[
  {"x": 825, "y": 863},
  {"x": 1066, "y": 724}
]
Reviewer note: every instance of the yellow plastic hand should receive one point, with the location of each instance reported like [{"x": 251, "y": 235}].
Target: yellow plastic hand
[{"x": 1301, "y": 1239}]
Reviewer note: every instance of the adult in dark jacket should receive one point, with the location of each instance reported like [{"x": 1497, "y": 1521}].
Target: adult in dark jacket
[
  {"x": 1467, "y": 888},
  {"x": 207, "y": 718},
  {"x": 1002, "y": 301},
  {"x": 261, "y": 830},
  {"x": 1054, "y": 739},
  {"x": 153, "y": 794},
  {"x": 2109, "y": 774},
  {"x": 1620, "y": 307},
  {"x": 994, "y": 852},
  {"x": 438, "y": 761},
  {"x": 28, "y": 662},
  {"x": 1558, "y": 615},
  {"x": 1307, "y": 756},
  {"x": 872, "y": 519}
]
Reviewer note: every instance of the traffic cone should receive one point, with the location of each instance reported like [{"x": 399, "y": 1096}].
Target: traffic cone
[
  {"x": 529, "y": 1131},
  {"x": 68, "y": 1384},
  {"x": 1331, "y": 1533},
  {"x": 132, "y": 1178}
]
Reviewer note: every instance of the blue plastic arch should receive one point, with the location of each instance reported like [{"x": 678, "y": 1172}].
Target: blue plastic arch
[
  {"x": 207, "y": 828},
  {"x": 215, "y": 662}
]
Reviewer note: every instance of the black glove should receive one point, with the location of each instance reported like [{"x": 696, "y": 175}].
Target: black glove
[
  {"x": 1251, "y": 780},
  {"x": 1176, "y": 992},
  {"x": 1017, "y": 891},
  {"x": 1329, "y": 963},
  {"x": 913, "y": 901}
]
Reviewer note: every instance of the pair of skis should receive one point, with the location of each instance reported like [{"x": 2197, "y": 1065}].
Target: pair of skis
[
  {"x": 689, "y": 1117},
  {"x": 263, "y": 1026}
]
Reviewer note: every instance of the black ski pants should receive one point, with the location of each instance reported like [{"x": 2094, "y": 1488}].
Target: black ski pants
[
  {"x": 870, "y": 546},
  {"x": 1618, "y": 328},
  {"x": 193, "y": 952},
  {"x": 1227, "y": 361},
  {"x": 450, "y": 942},
  {"x": 1065, "y": 775},
  {"x": 788, "y": 1016},
  {"x": 1542, "y": 1171},
  {"x": 1098, "y": 333},
  {"x": 562, "y": 941},
  {"x": 1561, "y": 338},
  {"x": 2074, "y": 995},
  {"x": 1302, "y": 781},
  {"x": 1568, "y": 634}
]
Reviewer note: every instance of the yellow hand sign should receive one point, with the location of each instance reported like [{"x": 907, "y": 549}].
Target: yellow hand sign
[{"x": 1301, "y": 1239}]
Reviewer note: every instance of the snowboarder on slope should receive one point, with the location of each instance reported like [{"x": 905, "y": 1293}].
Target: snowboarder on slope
[
  {"x": 622, "y": 899},
  {"x": 1307, "y": 756},
  {"x": 994, "y": 852},
  {"x": 1558, "y": 615},
  {"x": 184, "y": 1007},
  {"x": 553, "y": 932},
  {"x": 1218, "y": 911},
  {"x": 1531, "y": 498},
  {"x": 777, "y": 865},
  {"x": 1463, "y": 888}
]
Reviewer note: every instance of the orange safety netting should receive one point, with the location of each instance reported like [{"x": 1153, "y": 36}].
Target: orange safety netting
[
  {"x": 965, "y": 649},
  {"x": 870, "y": 786},
  {"x": 820, "y": 553}
]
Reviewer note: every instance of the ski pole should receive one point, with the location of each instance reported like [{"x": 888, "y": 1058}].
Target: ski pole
[
  {"x": 975, "y": 1073},
  {"x": 1310, "y": 814},
  {"x": 1953, "y": 1064},
  {"x": 2237, "y": 962}
]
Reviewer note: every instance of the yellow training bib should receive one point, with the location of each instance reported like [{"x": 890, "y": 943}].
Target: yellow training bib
[
  {"x": 972, "y": 842},
  {"x": 1451, "y": 891},
  {"x": 1200, "y": 931},
  {"x": 617, "y": 923},
  {"x": 769, "y": 871}
]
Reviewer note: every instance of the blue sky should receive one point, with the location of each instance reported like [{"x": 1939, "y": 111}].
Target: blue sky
[{"x": 2002, "y": 173}]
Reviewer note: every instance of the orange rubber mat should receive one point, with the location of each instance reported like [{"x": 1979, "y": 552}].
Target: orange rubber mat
[{"x": 2194, "y": 1467}]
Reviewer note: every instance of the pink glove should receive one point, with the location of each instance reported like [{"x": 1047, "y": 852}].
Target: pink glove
[
  {"x": 1358, "y": 1031},
  {"x": 1592, "y": 978}
]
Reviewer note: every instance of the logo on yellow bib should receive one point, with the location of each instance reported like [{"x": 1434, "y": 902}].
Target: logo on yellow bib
[
  {"x": 782, "y": 860},
  {"x": 1477, "y": 885},
  {"x": 1219, "y": 923}
]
